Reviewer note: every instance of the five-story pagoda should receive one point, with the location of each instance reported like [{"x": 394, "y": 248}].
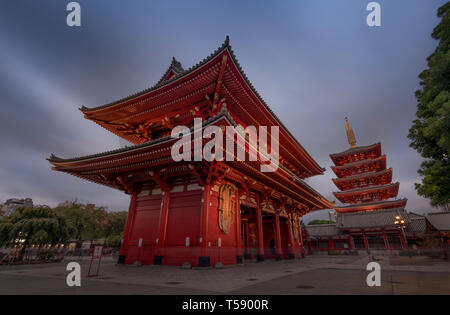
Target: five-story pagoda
[{"x": 364, "y": 182}]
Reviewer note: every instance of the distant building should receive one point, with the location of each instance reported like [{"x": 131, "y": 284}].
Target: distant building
[
  {"x": 441, "y": 221},
  {"x": 12, "y": 204}
]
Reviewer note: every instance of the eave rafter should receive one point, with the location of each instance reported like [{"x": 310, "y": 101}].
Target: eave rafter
[{"x": 159, "y": 178}]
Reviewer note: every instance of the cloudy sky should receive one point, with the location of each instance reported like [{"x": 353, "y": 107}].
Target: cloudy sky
[{"x": 314, "y": 62}]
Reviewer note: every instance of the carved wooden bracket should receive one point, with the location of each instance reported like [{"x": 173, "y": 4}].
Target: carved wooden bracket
[{"x": 160, "y": 179}]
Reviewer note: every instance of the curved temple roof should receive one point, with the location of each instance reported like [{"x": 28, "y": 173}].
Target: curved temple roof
[
  {"x": 387, "y": 204},
  {"x": 358, "y": 149},
  {"x": 295, "y": 150},
  {"x": 366, "y": 190},
  {"x": 118, "y": 160}
]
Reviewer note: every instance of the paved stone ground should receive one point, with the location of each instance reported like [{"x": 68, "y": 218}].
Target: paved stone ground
[{"x": 321, "y": 274}]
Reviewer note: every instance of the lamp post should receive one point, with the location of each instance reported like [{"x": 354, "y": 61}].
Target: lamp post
[{"x": 401, "y": 223}]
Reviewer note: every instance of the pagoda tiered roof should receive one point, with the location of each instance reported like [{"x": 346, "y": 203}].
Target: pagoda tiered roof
[
  {"x": 371, "y": 206},
  {"x": 363, "y": 180},
  {"x": 216, "y": 80},
  {"x": 355, "y": 154},
  {"x": 360, "y": 167},
  {"x": 368, "y": 194}
]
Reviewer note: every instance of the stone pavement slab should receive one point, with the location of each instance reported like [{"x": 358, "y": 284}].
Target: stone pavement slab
[{"x": 312, "y": 275}]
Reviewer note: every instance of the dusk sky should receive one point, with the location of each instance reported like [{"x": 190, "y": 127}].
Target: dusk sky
[{"x": 314, "y": 62}]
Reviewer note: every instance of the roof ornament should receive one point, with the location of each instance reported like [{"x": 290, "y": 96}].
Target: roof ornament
[{"x": 350, "y": 134}]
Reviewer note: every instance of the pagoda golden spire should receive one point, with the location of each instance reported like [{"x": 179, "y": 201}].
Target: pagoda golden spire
[{"x": 350, "y": 133}]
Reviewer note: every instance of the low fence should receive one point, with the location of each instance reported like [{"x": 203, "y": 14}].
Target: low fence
[{"x": 11, "y": 256}]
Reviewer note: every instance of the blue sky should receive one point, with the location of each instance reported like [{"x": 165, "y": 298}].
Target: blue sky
[{"x": 314, "y": 62}]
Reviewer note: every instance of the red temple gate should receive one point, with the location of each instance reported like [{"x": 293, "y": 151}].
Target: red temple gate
[{"x": 197, "y": 211}]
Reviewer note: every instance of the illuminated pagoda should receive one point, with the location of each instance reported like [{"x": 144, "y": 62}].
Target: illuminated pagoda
[
  {"x": 200, "y": 212},
  {"x": 371, "y": 219},
  {"x": 364, "y": 182}
]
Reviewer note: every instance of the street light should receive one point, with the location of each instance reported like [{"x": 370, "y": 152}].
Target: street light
[{"x": 401, "y": 223}]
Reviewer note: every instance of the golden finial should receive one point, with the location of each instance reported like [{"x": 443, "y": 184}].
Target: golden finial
[{"x": 350, "y": 133}]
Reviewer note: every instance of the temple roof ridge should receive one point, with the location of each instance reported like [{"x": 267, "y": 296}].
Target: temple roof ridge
[
  {"x": 175, "y": 67},
  {"x": 160, "y": 83},
  {"x": 224, "y": 47},
  {"x": 222, "y": 113}
]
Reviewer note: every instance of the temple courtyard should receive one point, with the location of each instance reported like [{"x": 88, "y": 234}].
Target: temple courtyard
[{"x": 317, "y": 274}]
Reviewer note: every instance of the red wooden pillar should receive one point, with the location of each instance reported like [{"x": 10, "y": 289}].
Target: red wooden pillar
[
  {"x": 386, "y": 243},
  {"x": 204, "y": 260},
  {"x": 302, "y": 249},
  {"x": 162, "y": 229},
  {"x": 238, "y": 229},
  {"x": 366, "y": 245},
  {"x": 128, "y": 228},
  {"x": 247, "y": 240},
  {"x": 259, "y": 231},
  {"x": 292, "y": 242},
  {"x": 331, "y": 243},
  {"x": 350, "y": 243},
  {"x": 278, "y": 249}
]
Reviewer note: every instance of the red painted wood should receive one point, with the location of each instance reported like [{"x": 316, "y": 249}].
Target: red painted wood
[
  {"x": 278, "y": 248},
  {"x": 366, "y": 246},
  {"x": 238, "y": 224},
  {"x": 145, "y": 227},
  {"x": 204, "y": 221},
  {"x": 163, "y": 218},
  {"x": 292, "y": 243},
  {"x": 259, "y": 227},
  {"x": 128, "y": 225}
]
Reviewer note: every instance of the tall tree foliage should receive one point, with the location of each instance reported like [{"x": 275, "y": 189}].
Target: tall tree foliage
[
  {"x": 93, "y": 222},
  {"x": 430, "y": 132},
  {"x": 33, "y": 226},
  {"x": 45, "y": 226}
]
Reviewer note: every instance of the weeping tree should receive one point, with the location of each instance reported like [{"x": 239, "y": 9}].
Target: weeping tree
[
  {"x": 33, "y": 226},
  {"x": 78, "y": 217},
  {"x": 430, "y": 132}
]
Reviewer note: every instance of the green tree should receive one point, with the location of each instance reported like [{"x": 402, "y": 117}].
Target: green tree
[
  {"x": 115, "y": 227},
  {"x": 116, "y": 223},
  {"x": 94, "y": 222},
  {"x": 33, "y": 226},
  {"x": 430, "y": 132},
  {"x": 98, "y": 222},
  {"x": 114, "y": 241},
  {"x": 78, "y": 217}
]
